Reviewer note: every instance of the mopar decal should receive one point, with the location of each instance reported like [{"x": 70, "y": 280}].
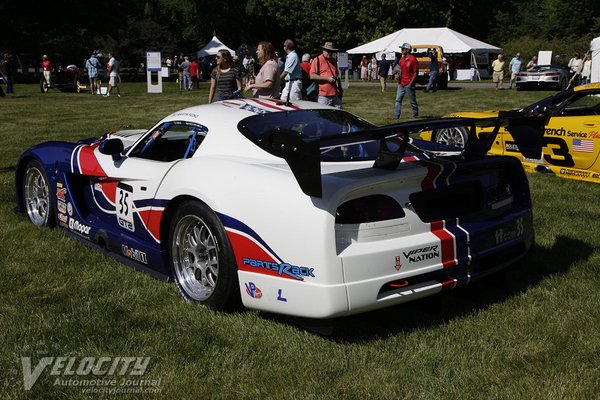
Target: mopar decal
[
  {"x": 292, "y": 271},
  {"x": 78, "y": 227},
  {"x": 424, "y": 253}
]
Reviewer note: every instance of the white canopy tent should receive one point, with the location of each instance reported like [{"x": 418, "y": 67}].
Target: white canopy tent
[
  {"x": 213, "y": 47},
  {"x": 451, "y": 41},
  {"x": 595, "y": 50}
]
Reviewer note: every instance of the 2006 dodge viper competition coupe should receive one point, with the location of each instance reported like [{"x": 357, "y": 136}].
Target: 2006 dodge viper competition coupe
[{"x": 298, "y": 209}]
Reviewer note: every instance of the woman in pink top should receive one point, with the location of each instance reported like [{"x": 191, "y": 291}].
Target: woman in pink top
[
  {"x": 364, "y": 68},
  {"x": 267, "y": 82}
]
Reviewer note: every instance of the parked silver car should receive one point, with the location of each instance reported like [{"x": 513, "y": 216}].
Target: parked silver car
[{"x": 544, "y": 77}]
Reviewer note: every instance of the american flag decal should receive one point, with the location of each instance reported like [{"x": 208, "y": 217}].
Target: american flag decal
[{"x": 583, "y": 145}]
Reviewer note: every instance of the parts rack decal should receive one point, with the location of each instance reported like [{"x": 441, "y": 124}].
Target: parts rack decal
[{"x": 253, "y": 254}]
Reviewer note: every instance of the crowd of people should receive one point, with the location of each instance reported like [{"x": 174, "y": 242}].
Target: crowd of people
[{"x": 287, "y": 76}]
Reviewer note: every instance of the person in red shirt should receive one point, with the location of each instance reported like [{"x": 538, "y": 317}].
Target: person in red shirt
[
  {"x": 305, "y": 64},
  {"x": 324, "y": 71},
  {"x": 194, "y": 74},
  {"x": 406, "y": 84},
  {"x": 46, "y": 68}
]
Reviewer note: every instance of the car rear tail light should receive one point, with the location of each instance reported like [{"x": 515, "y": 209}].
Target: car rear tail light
[
  {"x": 368, "y": 209},
  {"x": 521, "y": 75},
  {"x": 553, "y": 74}
]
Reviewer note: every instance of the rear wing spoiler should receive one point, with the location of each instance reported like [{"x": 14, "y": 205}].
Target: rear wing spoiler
[{"x": 303, "y": 155}]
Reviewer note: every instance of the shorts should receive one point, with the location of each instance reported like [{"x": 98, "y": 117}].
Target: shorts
[
  {"x": 114, "y": 80},
  {"x": 497, "y": 76}
]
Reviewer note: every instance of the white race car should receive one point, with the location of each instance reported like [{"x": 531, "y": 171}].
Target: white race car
[{"x": 297, "y": 209}]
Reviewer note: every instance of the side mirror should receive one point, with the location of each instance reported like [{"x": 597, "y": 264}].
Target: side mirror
[{"x": 113, "y": 147}]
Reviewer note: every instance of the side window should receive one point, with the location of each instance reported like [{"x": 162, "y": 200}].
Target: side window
[
  {"x": 170, "y": 141},
  {"x": 589, "y": 104}
]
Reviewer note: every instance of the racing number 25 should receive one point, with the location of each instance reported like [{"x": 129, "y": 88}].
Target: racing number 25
[{"x": 559, "y": 155}]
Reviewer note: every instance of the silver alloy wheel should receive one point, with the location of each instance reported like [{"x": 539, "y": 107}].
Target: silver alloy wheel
[
  {"x": 451, "y": 137},
  {"x": 195, "y": 258},
  {"x": 37, "y": 196}
]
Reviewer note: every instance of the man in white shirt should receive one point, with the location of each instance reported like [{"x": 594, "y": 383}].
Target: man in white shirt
[
  {"x": 292, "y": 73},
  {"x": 114, "y": 67}
]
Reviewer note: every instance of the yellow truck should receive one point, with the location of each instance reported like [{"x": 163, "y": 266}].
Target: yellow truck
[{"x": 421, "y": 52}]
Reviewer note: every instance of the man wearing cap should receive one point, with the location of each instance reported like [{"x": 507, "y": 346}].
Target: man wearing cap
[
  {"x": 324, "y": 71},
  {"x": 406, "y": 85}
]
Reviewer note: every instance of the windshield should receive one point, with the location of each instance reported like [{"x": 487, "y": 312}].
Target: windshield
[{"x": 312, "y": 124}]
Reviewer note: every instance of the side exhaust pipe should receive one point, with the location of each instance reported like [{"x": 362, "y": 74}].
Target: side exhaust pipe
[{"x": 543, "y": 169}]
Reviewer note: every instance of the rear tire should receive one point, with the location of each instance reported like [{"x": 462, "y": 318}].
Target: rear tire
[
  {"x": 38, "y": 199},
  {"x": 202, "y": 261},
  {"x": 443, "y": 81},
  {"x": 456, "y": 137}
]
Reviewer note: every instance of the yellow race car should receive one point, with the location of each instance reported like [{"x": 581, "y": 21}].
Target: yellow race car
[{"x": 571, "y": 139}]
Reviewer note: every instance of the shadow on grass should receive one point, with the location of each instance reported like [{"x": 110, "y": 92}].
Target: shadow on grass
[
  {"x": 10, "y": 168},
  {"x": 439, "y": 309}
]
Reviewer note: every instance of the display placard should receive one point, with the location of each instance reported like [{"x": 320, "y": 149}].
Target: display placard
[{"x": 153, "y": 62}]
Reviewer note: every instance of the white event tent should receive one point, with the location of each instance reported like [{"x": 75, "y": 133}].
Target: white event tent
[
  {"x": 213, "y": 47},
  {"x": 595, "y": 50},
  {"x": 451, "y": 41}
]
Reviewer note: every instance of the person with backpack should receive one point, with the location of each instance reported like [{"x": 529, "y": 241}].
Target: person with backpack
[
  {"x": 92, "y": 65},
  {"x": 324, "y": 71}
]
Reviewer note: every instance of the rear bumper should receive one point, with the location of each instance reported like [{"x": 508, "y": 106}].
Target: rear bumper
[
  {"x": 372, "y": 281},
  {"x": 538, "y": 85}
]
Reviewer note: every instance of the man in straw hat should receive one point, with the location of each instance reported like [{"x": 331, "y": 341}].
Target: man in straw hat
[{"x": 324, "y": 71}]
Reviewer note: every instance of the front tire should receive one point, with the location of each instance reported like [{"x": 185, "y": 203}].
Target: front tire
[
  {"x": 44, "y": 85},
  {"x": 456, "y": 137},
  {"x": 202, "y": 261},
  {"x": 37, "y": 196}
]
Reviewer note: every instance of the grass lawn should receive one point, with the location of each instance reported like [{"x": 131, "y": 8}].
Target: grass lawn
[{"x": 531, "y": 333}]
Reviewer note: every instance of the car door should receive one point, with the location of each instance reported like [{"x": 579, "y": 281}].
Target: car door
[
  {"x": 123, "y": 190},
  {"x": 572, "y": 137}
]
